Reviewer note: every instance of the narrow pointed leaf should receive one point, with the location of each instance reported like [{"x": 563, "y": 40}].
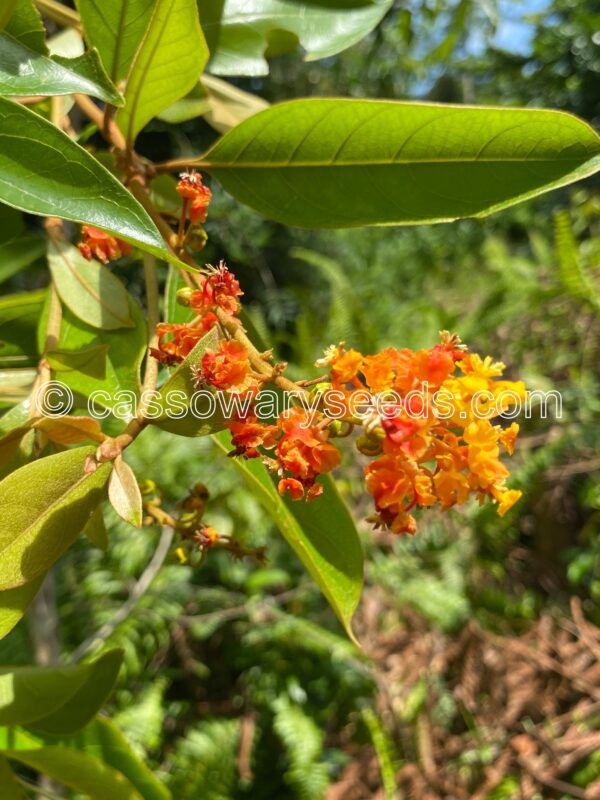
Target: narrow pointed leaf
[
  {"x": 325, "y": 163},
  {"x": 322, "y": 534},
  {"x": 124, "y": 493},
  {"x": 72, "y": 185},
  {"x": 45, "y": 505},
  {"x": 167, "y": 65},
  {"x": 26, "y": 72},
  {"x": 95, "y": 530}
]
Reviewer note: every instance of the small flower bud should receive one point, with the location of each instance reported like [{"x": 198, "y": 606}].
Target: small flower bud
[
  {"x": 369, "y": 444},
  {"x": 184, "y": 295},
  {"x": 147, "y": 487}
]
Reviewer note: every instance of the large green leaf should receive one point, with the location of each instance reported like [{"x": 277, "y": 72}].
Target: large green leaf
[
  {"x": 44, "y": 172},
  {"x": 18, "y": 318},
  {"x": 167, "y": 65},
  {"x": 15, "y": 602},
  {"x": 79, "y": 771},
  {"x": 45, "y": 505},
  {"x": 24, "y": 71},
  {"x": 57, "y": 700},
  {"x": 321, "y": 533},
  {"x": 116, "y": 29},
  {"x": 340, "y": 163},
  {"x": 105, "y": 741},
  {"x": 89, "y": 289},
  {"x": 100, "y": 740},
  {"x": 175, "y": 412},
  {"x": 242, "y": 34}
]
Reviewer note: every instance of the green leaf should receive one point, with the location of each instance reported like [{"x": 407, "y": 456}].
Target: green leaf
[
  {"x": 18, "y": 319},
  {"x": 242, "y": 34},
  {"x": 79, "y": 771},
  {"x": 6, "y": 12},
  {"x": 84, "y": 704},
  {"x": 45, "y": 505},
  {"x": 125, "y": 349},
  {"x": 177, "y": 413},
  {"x": 101, "y": 740},
  {"x": 321, "y": 533},
  {"x": 167, "y": 65},
  {"x": 24, "y": 71},
  {"x": 10, "y": 788},
  {"x": 19, "y": 252},
  {"x": 57, "y": 700},
  {"x": 88, "y": 288},
  {"x": 95, "y": 530},
  {"x": 26, "y": 26},
  {"x": 15, "y": 602},
  {"x": 340, "y": 163},
  {"x": 91, "y": 360},
  {"x": 44, "y": 172},
  {"x": 124, "y": 493},
  {"x": 115, "y": 29}
]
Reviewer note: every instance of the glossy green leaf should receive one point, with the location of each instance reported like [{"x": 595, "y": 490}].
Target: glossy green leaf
[
  {"x": 10, "y": 787},
  {"x": 24, "y": 71},
  {"x": 25, "y": 25},
  {"x": 79, "y": 771},
  {"x": 321, "y": 533},
  {"x": 45, "y": 504},
  {"x": 167, "y": 65},
  {"x": 88, "y": 288},
  {"x": 44, "y": 172},
  {"x": 15, "y": 602},
  {"x": 115, "y": 28},
  {"x": 180, "y": 408},
  {"x": 242, "y": 34},
  {"x": 340, "y": 163},
  {"x": 57, "y": 700}
]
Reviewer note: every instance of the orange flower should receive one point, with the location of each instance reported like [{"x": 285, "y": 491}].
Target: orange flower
[
  {"x": 220, "y": 289},
  {"x": 228, "y": 367},
  {"x": 174, "y": 350},
  {"x": 248, "y": 434},
  {"x": 291, "y": 485},
  {"x": 100, "y": 245},
  {"x": 190, "y": 187}
]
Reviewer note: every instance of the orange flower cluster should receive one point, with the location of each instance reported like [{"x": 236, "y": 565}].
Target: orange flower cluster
[
  {"x": 102, "y": 246},
  {"x": 196, "y": 196},
  {"x": 302, "y": 450},
  {"x": 218, "y": 290},
  {"x": 434, "y": 441}
]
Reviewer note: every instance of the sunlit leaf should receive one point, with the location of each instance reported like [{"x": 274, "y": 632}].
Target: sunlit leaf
[{"x": 340, "y": 163}]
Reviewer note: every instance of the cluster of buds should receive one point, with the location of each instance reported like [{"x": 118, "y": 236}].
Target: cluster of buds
[
  {"x": 435, "y": 442},
  {"x": 218, "y": 290},
  {"x": 101, "y": 246},
  {"x": 197, "y": 538}
]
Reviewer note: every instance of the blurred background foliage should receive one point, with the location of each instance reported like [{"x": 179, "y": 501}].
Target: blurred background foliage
[{"x": 238, "y": 681}]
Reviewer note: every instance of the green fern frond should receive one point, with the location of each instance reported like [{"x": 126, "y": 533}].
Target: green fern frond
[{"x": 573, "y": 274}]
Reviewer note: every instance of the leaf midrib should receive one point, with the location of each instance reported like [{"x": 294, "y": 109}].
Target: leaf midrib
[{"x": 214, "y": 165}]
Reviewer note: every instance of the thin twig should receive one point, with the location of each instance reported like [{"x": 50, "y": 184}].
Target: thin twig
[{"x": 140, "y": 588}]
